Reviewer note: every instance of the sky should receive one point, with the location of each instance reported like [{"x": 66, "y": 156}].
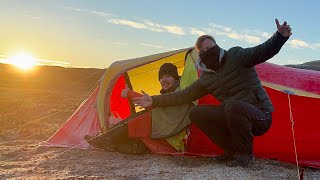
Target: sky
[{"x": 95, "y": 33}]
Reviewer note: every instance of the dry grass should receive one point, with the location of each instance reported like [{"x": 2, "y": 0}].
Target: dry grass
[
  {"x": 22, "y": 106},
  {"x": 26, "y": 98}
]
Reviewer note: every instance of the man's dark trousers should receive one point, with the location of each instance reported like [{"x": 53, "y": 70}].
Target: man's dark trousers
[{"x": 232, "y": 125}]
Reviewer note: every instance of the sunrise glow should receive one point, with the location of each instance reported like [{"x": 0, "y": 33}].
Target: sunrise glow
[{"x": 23, "y": 61}]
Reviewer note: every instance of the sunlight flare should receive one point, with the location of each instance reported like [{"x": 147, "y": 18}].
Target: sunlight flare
[{"x": 23, "y": 61}]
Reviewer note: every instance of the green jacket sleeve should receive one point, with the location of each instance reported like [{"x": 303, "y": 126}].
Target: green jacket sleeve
[
  {"x": 261, "y": 53},
  {"x": 185, "y": 96}
]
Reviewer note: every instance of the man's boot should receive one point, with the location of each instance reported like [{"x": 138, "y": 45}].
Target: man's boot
[
  {"x": 109, "y": 140},
  {"x": 100, "y": 142},
  {"x": 244, "y": 160},
  {"x": 226, "y": 156}
]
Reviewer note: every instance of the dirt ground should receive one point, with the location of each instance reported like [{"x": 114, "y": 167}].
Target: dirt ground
[
  {"x": 24, "y": 160},
  {"x": 30, "y": 115}
]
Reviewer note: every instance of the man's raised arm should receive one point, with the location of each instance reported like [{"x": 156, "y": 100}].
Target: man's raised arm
[{"x": 261, "y": 53}]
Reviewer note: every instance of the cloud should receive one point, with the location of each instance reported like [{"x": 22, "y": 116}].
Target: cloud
[
  {"x": 145, "y": 24},
  {"x": 221, "y": 30},
  {"x": 102, "y": 14},
  {"x": 315, "y": 46},
  {"x": 266, "y": 35},
  {"x": 149, "y": 25},
  {"x": 151, "y": 45},
  {"x": 298, "y": 44},
  {"x": 253, "y": 36},
  {"x": 198, "y": 32},
  {"x": 245, "y": 37},
  {"x": 257, "y": 32},
  {"x": 128, "y": 23},
  {"x": 49, "y": 62},
  {"x": 75, "y": 9},
  {"x": 33, "y": 17},
  {"x": 97, "y": 13},
  {"x": 174, "y": 29},
  {"x": 251, "y": 39},
  {"x": 219, "y": 27},
  {"x": 166, "y": 28},
  {"x": 157, "y": 46},
  {"x": 6, "y": 60},
  {"x": 120, "y": 43},
  {"x": 234, "y": 36}
]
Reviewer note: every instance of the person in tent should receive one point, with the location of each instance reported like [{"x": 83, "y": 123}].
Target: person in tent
[
  {"x": 167, "y": 123},
  {"x": 230, "y": 76}
]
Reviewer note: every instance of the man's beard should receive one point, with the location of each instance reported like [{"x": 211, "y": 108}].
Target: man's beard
[{"x": 211, "y": 57}]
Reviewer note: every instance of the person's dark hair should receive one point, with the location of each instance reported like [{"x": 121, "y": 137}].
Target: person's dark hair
[{"x": 201, "y": 39}]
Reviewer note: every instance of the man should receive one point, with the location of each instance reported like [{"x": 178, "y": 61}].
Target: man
[
  {"x": 231, "y": 77},
  {"x": 165, "y": 123}
]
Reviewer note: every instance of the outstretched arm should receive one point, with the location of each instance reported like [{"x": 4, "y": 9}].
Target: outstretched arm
[
  {"x": 189, "y": 94},
  {"x": 130, "y": 95},
  {"x": 261, "y": 53}
]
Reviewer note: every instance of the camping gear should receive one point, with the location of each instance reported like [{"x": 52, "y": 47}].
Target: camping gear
[{"x": 300, "y": 107}]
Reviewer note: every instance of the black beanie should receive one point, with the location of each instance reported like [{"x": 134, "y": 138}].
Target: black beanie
[{"x": 168, "y": 69}]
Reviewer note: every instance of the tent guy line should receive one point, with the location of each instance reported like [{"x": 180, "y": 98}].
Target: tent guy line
[
  {"x": 30, "y": 122},
  {"x": 293, "y": 136},
  {"x": 5, "y": 142}
]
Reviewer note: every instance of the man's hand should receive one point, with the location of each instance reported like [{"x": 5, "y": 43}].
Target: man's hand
[
  {"x": 124, "y": 92},
  {"x": 284, "y": 29},
  {"x": 143, "y": 101}
]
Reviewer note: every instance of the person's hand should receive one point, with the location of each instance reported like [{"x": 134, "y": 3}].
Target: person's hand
[
  {"x": 124, "y": 92},
  {"x": 143, "y": 101},
  {"x": 284, "y": 29}
]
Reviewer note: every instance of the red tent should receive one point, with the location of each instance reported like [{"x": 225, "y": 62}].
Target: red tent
[{"x": 295, "y": 94}]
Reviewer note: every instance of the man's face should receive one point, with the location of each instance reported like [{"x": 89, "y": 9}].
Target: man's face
[
  {"x": 205, "y": 45},
  {"x": 209, "y": 54},
  {"x": 167, "y": 82}
]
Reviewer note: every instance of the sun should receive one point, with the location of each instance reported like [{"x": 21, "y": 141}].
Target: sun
[{"x": 23, "y": 61}]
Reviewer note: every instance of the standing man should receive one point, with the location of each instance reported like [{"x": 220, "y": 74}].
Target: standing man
[{"x": 230, "y": 76}]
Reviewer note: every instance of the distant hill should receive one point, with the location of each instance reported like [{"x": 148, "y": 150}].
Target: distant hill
[
  {"x": 312, "y": 65},
  {"x": 49, "y": 77},
  {"x": 54, "y": 77}
]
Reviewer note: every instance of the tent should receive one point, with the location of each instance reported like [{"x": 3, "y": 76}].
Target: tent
[{"x": 295, "y": 94}]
